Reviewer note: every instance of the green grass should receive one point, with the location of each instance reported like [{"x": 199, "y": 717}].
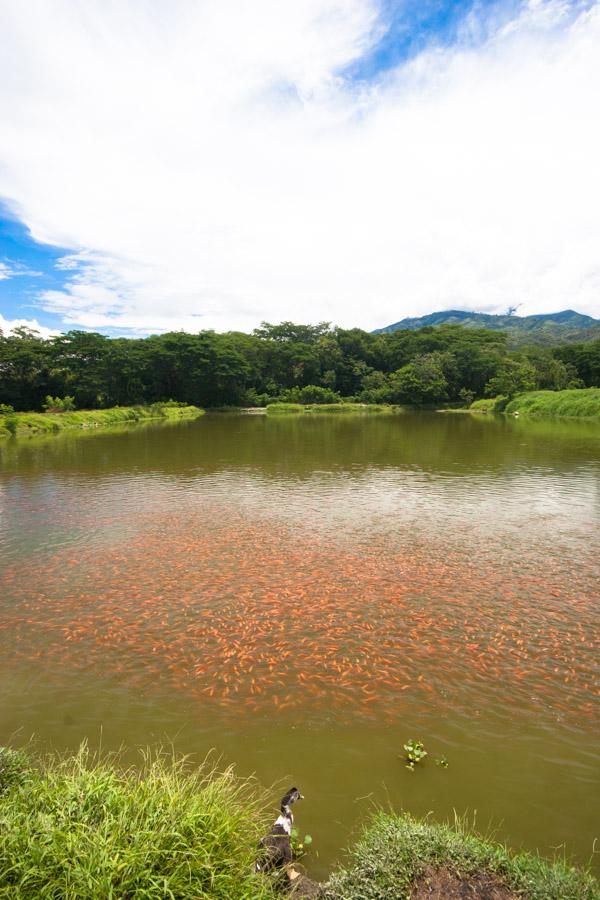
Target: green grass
[
  {"x": 84, "y": 827},
  {"x": 583, "y": 403},
  {"x": 301, "y": 408},
  {"x": 24, "y": 424},
  {"x": 395, "y": 850},
  {"x": 81, "y": 827},
  {"x": 489, "y": 404}
]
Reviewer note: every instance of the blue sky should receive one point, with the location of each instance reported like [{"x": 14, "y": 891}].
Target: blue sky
[
  {"x": 417, "y": 24},
  {"x": 355, "y": 161},
  {"x": 32, "y": 268}
]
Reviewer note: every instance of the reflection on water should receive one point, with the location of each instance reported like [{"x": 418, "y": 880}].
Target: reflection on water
[{"x": 305, "y": 594}]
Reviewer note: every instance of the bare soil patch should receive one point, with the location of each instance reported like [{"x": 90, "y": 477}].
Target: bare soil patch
[{"x": 443, "y": 884}]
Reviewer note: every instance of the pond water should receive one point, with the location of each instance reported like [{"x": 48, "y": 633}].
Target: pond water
[{"x": 304, "y": 594}]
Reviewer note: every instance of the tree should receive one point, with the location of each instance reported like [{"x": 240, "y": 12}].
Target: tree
[
  {"x": 421, "y": 381},
  {"x": 24, "y": 369},
  {"x": 513, "y": 377},
  {"x": 291, "y": 333}
]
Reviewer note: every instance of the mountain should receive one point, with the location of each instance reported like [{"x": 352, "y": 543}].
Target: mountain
[{"x": 566, "y": 327}]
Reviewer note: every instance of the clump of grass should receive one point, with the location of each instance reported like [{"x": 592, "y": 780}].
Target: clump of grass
[
  {"x": 82, "y": 828},
  {"x": 22, "y": 424},
  {"x": 285, "y": 408},
  {"x": 580, "y": 403},
  {"x": 396, "y": 850},
  {"x": 316, "y": 408},
  {"x": 489, "y": 404},
  {"x": 14, "y": 768}
]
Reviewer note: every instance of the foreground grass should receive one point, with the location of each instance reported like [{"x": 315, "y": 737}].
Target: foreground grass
[
  {"x": 583, "y": 403},
  {"x": 85, "y": 828},
  {"x": 300, "y": 408},
  {"x": 24, "y": 424},
  {"x": 82, "y": 828},
  {"x": 395, "y": 851}
]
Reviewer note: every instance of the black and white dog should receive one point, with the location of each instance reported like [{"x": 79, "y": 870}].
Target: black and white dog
[{"x": 276, "y": 847}]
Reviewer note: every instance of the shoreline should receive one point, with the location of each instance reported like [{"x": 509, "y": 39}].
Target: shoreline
[
  {"x": 168, "y": 827},
  {"x": 30, "y": 424},
  {"x": 569, "y": 405}
]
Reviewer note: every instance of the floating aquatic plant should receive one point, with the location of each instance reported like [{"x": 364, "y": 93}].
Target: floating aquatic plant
[
  {"x": 415, "y": 753},
  {"x": 299, "y": 847}
]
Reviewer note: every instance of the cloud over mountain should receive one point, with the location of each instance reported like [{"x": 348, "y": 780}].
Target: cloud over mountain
[{"x": 212, "y": 164}]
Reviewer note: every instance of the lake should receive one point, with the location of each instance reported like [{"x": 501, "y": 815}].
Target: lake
[{"x": 305, "y": 594}]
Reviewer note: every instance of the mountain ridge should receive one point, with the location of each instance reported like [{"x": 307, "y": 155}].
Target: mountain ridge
[{"x": 564, "y": 327}]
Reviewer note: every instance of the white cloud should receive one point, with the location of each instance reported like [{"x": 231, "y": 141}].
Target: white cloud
[
  {"x": 8, "y": 325},
  {"x": 211, "y": 168},
  {"x": 10, "y": 269}
]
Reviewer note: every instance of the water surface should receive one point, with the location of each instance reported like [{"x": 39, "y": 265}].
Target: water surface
[{"x": 305, "y": 594}]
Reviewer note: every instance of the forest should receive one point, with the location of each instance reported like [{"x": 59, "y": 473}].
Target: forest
[{"x": 286, "y": 362}]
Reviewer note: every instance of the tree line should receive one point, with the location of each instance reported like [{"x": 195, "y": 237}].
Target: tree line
[{"x": 286, "y": 362}]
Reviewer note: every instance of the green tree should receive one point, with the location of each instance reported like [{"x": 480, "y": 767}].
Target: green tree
[
  {"x": 24, "y": 369},
  {"x": 514, "y": 377},
  {"x": 420, "y": 382}
]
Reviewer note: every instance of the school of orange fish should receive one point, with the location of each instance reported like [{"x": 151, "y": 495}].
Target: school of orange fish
[{"x": 250, "y": 617}]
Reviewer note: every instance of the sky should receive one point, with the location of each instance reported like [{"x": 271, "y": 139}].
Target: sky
[{"x": 217, "y": 163}]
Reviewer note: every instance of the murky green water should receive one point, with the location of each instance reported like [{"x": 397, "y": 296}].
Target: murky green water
[{"x": 305, "y": 594}]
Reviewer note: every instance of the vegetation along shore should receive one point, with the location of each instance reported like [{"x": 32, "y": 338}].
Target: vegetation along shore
[
  {"x": 583, "y": 403},
  {"x": 81, "y": 827},
  {"x": 336, "y": 408},
  {"x": 25, "y": 424},
  {"x": 286, "y": 363}
]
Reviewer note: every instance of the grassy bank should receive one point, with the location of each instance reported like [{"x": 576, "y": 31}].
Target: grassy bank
[
  {"x": 80, "y": 828},
  {"x": 583, "y": 403},
  {"x": 83, "y": 828},
  {"x": 399, "y": 857},
  {"x": 319, "y": 408},
  {"x": 24, "y": 424},
  {"x": 488, "y": 405}
]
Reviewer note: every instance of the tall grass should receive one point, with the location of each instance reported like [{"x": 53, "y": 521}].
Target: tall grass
[
  {"x": 395, "y": 851},
  {"x": 85, "y": 828},
  {"x": 489, "y": 404},
  {"x": 80, "y": 828},
  {"x": 583, "y": 403},
  {"x": 316, "y": 408},
  {"x": 23, "y": 424}
]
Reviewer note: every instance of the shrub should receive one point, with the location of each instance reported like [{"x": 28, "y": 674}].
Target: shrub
[
  {"x": 311, "y": 393},
  {"x": 255, "y": 398},
  {"x": 376, "y": 389},
  {"x": 59, "y": 404},
  {"x": 6, "y": 409}
]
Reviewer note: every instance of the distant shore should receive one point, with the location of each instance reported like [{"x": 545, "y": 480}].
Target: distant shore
[
  {"x": 581, "y": 403},
  {"x": 336, "y": 408}
]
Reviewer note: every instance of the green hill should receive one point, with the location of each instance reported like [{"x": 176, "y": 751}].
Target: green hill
[{"x": 548, "y": 329}]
